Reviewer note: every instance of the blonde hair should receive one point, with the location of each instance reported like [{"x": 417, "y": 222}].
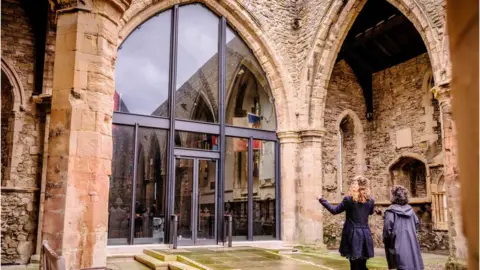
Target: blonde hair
[{"x": 361, "y": 193}]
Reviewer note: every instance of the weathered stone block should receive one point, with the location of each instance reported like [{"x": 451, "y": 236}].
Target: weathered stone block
[{"x": 404, "y": 138}]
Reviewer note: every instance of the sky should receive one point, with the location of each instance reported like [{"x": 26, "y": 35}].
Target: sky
[{"x": 141, "y": 70}]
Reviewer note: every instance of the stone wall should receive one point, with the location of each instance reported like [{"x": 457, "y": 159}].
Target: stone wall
[
  {"x": 399, "y": 104},
  {"x": 24, "y": 137},
  {"x": 398, "y": 112},
  {"x": 429, "y": 239},
  {"x": 19, "y": 213},
  {"x": 344, "y": 102}
]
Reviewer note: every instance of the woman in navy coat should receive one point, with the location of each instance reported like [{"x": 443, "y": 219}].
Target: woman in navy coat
[
  {"x": 400, "y": 233},
  {"x": 357, "y": 243}
]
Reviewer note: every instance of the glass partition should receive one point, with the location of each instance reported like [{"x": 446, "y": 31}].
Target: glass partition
[
  {"x": 121, "y": 184},
  {"x": 197, "y": 65},
  {"x": 168, "y": 157}
]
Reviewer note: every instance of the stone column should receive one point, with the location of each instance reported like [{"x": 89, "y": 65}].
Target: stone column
[
  {"x": 289, "y": 167},
  {"x": 451, "y": 173},
  {"x": 462, "y": 21},
  {"x": 80, "y": 145},
  {"x": 309, "y": 187}
]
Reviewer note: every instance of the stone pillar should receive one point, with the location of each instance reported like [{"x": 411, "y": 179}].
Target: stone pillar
[
  {"x": 289, "y": 166},
  {"x": 309, "y": 187},
  {"x": 451, "y": 173},
  {"x": 462, "y": 22},
  {"x": 80, "y": 145}
]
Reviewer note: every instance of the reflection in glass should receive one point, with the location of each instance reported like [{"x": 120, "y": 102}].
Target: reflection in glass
[
  {"x": 207, "y": 175},
  {"x": 197, "y": 73},
  {"x": 248, "y": 99},
  {"x": 150, "y": 186},
  {"x": 264, "y": 219},
  {"x": 120, "y": 199},
  {"x": 196, "y": 140},
  {"x": 183, "y": 197},
  {"x": 236, "y": 185},
  {"x": 142, "y": 69}
]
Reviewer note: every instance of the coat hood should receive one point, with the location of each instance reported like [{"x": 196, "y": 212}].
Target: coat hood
[{"x": 402, "y": 210}]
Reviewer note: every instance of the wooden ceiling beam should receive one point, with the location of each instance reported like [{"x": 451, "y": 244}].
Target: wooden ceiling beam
[
  {"x": 379, "y": 29},
  {"x": 392, "y": 43},
  {"x": 350, "y": 52},
  {"x": 382, "y": 48}
]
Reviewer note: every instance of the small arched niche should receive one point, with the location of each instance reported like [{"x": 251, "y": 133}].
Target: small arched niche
[{"x": 411, "y": 173}]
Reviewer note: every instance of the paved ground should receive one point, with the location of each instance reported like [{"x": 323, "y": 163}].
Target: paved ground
[
  {"x": 251, "y": 258},
  {"x": 256, "y": 259}
]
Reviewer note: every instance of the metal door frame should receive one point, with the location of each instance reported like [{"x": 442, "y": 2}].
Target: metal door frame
[{"x": 196, "y": 156}]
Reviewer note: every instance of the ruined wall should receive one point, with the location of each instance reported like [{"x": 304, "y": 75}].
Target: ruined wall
[
  {"x": 20, "y": 182},
  {"x": 344, "y": 93},
  {"x": 399, "y": 103},
  {"x": 398, "y": 108}
]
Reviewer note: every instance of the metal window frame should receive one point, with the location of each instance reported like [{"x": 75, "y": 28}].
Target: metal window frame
[
  {"x": 171, "y": 124},
  {"x": 131, "y": 241}
]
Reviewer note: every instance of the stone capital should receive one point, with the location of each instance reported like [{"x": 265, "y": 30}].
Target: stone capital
[
  {"x": 288, "y": 137},
  {"x": 442, "y": 93},
  {"x": 312, "y": 135}
]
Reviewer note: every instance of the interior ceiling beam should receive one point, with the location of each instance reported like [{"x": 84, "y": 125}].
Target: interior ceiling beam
[
  {"x": 392, "y": 43},
  {"x": 379, "y": 29},
  {"x": 382, "y": 48},
  {"x": 351, "y": 53}
]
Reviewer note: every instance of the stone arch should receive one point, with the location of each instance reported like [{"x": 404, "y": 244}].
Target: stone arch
[
  {"x": 358, "y": 138},
  {"x": 329, "y": 38},
  {"x": 14, "y": 121},
  {"x": 407, "y": 157},
  {"x": 247, "y": 29},
  {"x": 18, "y": 92}
]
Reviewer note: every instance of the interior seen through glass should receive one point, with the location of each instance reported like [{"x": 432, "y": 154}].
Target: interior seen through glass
[{"x": 142, "y": 74}]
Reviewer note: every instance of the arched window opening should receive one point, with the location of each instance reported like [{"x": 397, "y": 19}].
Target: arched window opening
[
  {"x": 410, "y": 173},
  {"x": 439, "y": 203},
  {"x": 7, "y": 108},
  {"x": 347, "y": 157}
]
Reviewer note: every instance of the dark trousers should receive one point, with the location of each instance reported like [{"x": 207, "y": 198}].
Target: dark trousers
[{"x": 358, "y": 264}]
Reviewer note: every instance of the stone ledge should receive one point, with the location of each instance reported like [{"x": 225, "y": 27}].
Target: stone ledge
[{"x": 19, "y": 190}]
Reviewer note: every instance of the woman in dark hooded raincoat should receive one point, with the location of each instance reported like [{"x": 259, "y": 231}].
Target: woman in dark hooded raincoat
[
  {"x": 357, "y": 243},
  {"x": 400, "y": 233}
]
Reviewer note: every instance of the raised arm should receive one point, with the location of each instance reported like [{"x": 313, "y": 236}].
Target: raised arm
[
  {"x": 372, "y": 206},
  {"x": 334, "y": 209}
]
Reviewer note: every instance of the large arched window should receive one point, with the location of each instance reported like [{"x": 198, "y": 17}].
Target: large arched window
[{"x": 194, "y": 134}]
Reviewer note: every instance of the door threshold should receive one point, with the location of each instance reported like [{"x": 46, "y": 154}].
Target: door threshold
[{"x": 124, "y": 250}]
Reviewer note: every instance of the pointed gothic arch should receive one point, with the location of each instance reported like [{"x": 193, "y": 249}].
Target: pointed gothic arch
[
  {"x": 278, "y": 78},
  {"x": 12, "y": 122},
  {"x": 330, "y": 37}
]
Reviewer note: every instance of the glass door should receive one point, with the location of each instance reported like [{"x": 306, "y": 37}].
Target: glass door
[{"x": 195, "y": 200}]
